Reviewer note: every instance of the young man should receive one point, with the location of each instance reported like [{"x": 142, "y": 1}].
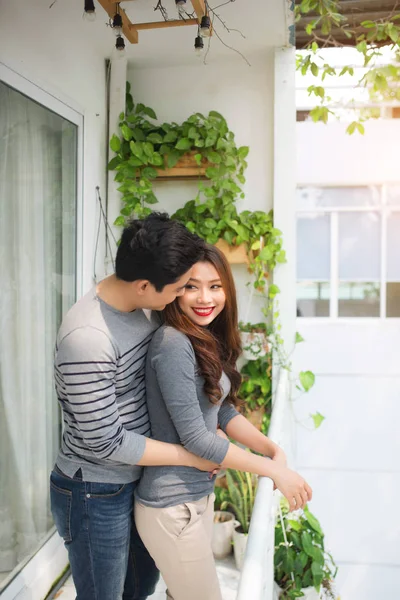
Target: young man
[{"x": 99, "y": 373}]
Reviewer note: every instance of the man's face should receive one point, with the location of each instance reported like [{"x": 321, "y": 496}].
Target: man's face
[{"x": 158, "y": 300}]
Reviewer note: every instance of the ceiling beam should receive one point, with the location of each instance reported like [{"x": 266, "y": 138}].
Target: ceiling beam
[
  {"x": 164, "y": 24},
  {"x": 131, "y": 34},
  {"x": 199, "y": 7}
]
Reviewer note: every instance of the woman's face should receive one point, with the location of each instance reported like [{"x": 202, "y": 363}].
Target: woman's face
[{"x": 204, "y": 297}]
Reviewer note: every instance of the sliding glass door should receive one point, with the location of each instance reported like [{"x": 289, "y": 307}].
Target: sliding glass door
[{"x": 38, "y": 200}]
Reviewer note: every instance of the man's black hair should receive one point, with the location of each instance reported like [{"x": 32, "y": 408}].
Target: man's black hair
[{"x": 158, "y": 249}]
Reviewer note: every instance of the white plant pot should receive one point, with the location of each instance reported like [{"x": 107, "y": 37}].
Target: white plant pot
[
  {"x": 310, "y": 593},
  {"x": 221, "y": 543},
  {"x": 239, "y": 546},
  {"x": 254, "y": 344}
]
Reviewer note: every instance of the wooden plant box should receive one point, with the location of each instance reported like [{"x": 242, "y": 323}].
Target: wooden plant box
[
  {"x": 185, "y": 168},
  {"x": 236, "y": 255}
]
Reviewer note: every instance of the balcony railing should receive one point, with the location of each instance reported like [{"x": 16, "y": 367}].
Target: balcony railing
[{"x": 257, "y": 578}]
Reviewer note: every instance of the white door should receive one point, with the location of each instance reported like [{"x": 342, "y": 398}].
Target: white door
[
  {"x": 40, "y": 141},
  {"x": 348, "y": 306}
]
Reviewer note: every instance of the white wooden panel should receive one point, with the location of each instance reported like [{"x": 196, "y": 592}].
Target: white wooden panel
[
  {"x": 338, "y": 166},
  {"x": 358, "y": 512},
  {"x": 349, "y": 346},
  {"x": 358, "y": 432},
  {"x": 366, "y": 582}
]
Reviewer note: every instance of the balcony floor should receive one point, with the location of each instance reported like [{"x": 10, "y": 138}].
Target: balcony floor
[{"x": 228, "y": 577}]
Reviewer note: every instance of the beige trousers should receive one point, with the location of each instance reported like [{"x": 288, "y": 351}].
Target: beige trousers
[{"x": 179, "y": 540}]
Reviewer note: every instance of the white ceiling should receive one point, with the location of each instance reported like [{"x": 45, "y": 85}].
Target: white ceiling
[{"x": 263, "y": 24}]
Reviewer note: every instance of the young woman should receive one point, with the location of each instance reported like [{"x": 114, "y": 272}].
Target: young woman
[{"x": 192, "y": 385}]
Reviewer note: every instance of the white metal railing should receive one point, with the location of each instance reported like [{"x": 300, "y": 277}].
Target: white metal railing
[{"x": 257, "y": 577}]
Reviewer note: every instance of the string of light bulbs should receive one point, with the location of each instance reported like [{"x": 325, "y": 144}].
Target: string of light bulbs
[{"x": 204, "y": 28}]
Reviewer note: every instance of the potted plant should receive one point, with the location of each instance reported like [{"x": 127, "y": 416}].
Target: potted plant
[
  {"x": 303, "y": 567},
  {"x": 254, "y": 338},
  {"x": 255, "y": 392},
  {"x": 224, "y": 522},
  {"x": 241, "y": 494}
]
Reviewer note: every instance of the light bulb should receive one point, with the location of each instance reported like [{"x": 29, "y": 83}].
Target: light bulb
[
  {"x": 205, "y": 26},
  {"x": 90, "y": 12},
  {"x": 181, "y": 6},
  {"x": 89, "y": 16},
  {"x": 198, "y": 45},
  {"x": 120, "y": 46},
  {"x": 117, "y": 25}
]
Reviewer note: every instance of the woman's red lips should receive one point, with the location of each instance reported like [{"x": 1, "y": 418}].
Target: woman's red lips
[{"x": 203, "y": 312}]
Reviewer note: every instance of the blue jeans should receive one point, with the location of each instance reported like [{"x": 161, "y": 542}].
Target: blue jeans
[{"x": 108, "y": 559}]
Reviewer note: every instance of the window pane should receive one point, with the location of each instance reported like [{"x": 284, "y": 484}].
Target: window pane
[
  {"x": 313, "y": 197},
  {"x": 37, "y": 255},
  {"x": 359, "y": 247},
  {"x": 359, "y": 299},
  {"x": 393, "y": 195},
  {"x": 313, "y": 299},
  {"x": 313, "y": 247},
  {"x": 393, "y": 266}
]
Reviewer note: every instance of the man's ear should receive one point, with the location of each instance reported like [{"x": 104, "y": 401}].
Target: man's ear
[{"x": 142, "y": 286}]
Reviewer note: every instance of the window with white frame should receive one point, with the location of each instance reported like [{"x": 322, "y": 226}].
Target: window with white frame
[{"x": 348, "y": 251}]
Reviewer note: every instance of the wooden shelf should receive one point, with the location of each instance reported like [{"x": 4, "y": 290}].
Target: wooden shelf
[{"x": 185, "y": 169}]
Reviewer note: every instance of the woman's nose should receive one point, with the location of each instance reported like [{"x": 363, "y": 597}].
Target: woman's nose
[{"x": 204, "y": 296}]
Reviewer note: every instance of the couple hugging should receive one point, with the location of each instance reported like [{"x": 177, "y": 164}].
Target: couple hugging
[{"x": 148, "y": 402}]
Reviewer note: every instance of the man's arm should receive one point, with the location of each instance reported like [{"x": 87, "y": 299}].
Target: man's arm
[{"x": 85, "y": 369}]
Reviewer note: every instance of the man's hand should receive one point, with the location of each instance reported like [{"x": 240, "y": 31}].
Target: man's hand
[{"x": 222, "y": 435}]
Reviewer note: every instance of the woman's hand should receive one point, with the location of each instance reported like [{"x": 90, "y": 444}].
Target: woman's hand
[
  {"x": 295, "y": 489},
  {"x": 279, "y": 457}
]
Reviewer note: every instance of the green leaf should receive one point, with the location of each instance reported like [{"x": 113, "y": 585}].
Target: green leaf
[
  {"x": 136, "y": 149},
  {"x": 299, "y": 338},
  {"x": 138, "y": 134},
  {"x": 183, "y": 144},
  {"x": 114, "y": 162},
  {"x": 148, "y": 149},
  {"x": 243, "y": 151},
  {"x": 214, "y": 157},
  {"x": 266, "y": 254},
  {"x": 155, "y": 138},
  {"x": 115, "y": 143},
  {"x": 307, "y": 380},
  {"x": 119, "y": 221},
  {"x": 309, "y": 547},
  {"x": 149, "y": 172},
  {"x": 170, "y": 137},
  {"x": 126, "y": 132},
  {"x": 172, "y": 159},
  {"x": 313, "y": 521},
  {"x": 318, "y": 419},
  {"x": 149, "y": 112}
]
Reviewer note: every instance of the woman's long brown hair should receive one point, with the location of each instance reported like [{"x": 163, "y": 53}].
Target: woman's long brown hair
[{"x": 217, "y": 347}]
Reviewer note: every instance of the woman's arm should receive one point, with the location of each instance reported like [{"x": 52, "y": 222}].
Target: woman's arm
[{"x": 242, "y": 431}]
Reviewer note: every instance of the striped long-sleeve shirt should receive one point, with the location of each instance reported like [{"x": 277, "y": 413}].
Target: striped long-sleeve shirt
[{"x": 100, "y": 383}]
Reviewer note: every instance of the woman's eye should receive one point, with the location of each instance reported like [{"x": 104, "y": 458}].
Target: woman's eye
[
  {"x": 216, "y": 287},
  {"x": 189, "y": 287}
]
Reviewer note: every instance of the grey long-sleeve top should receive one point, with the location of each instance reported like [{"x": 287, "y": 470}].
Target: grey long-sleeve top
[{"x": 180, "y": 412}]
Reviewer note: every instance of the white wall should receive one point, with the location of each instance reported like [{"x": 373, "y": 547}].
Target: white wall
[
  {"x": 50, "y": 48},
  {"x": 352, "y": 460},
  {"x": 244, "y": 95}
]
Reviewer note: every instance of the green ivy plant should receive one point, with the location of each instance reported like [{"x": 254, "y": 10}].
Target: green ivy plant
[
  {"x": 327, "y": 19},
  {"x": 144, "y": 148},
  {"x": 303, "y": 561},
  {"x": 255, "y": 391}
]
